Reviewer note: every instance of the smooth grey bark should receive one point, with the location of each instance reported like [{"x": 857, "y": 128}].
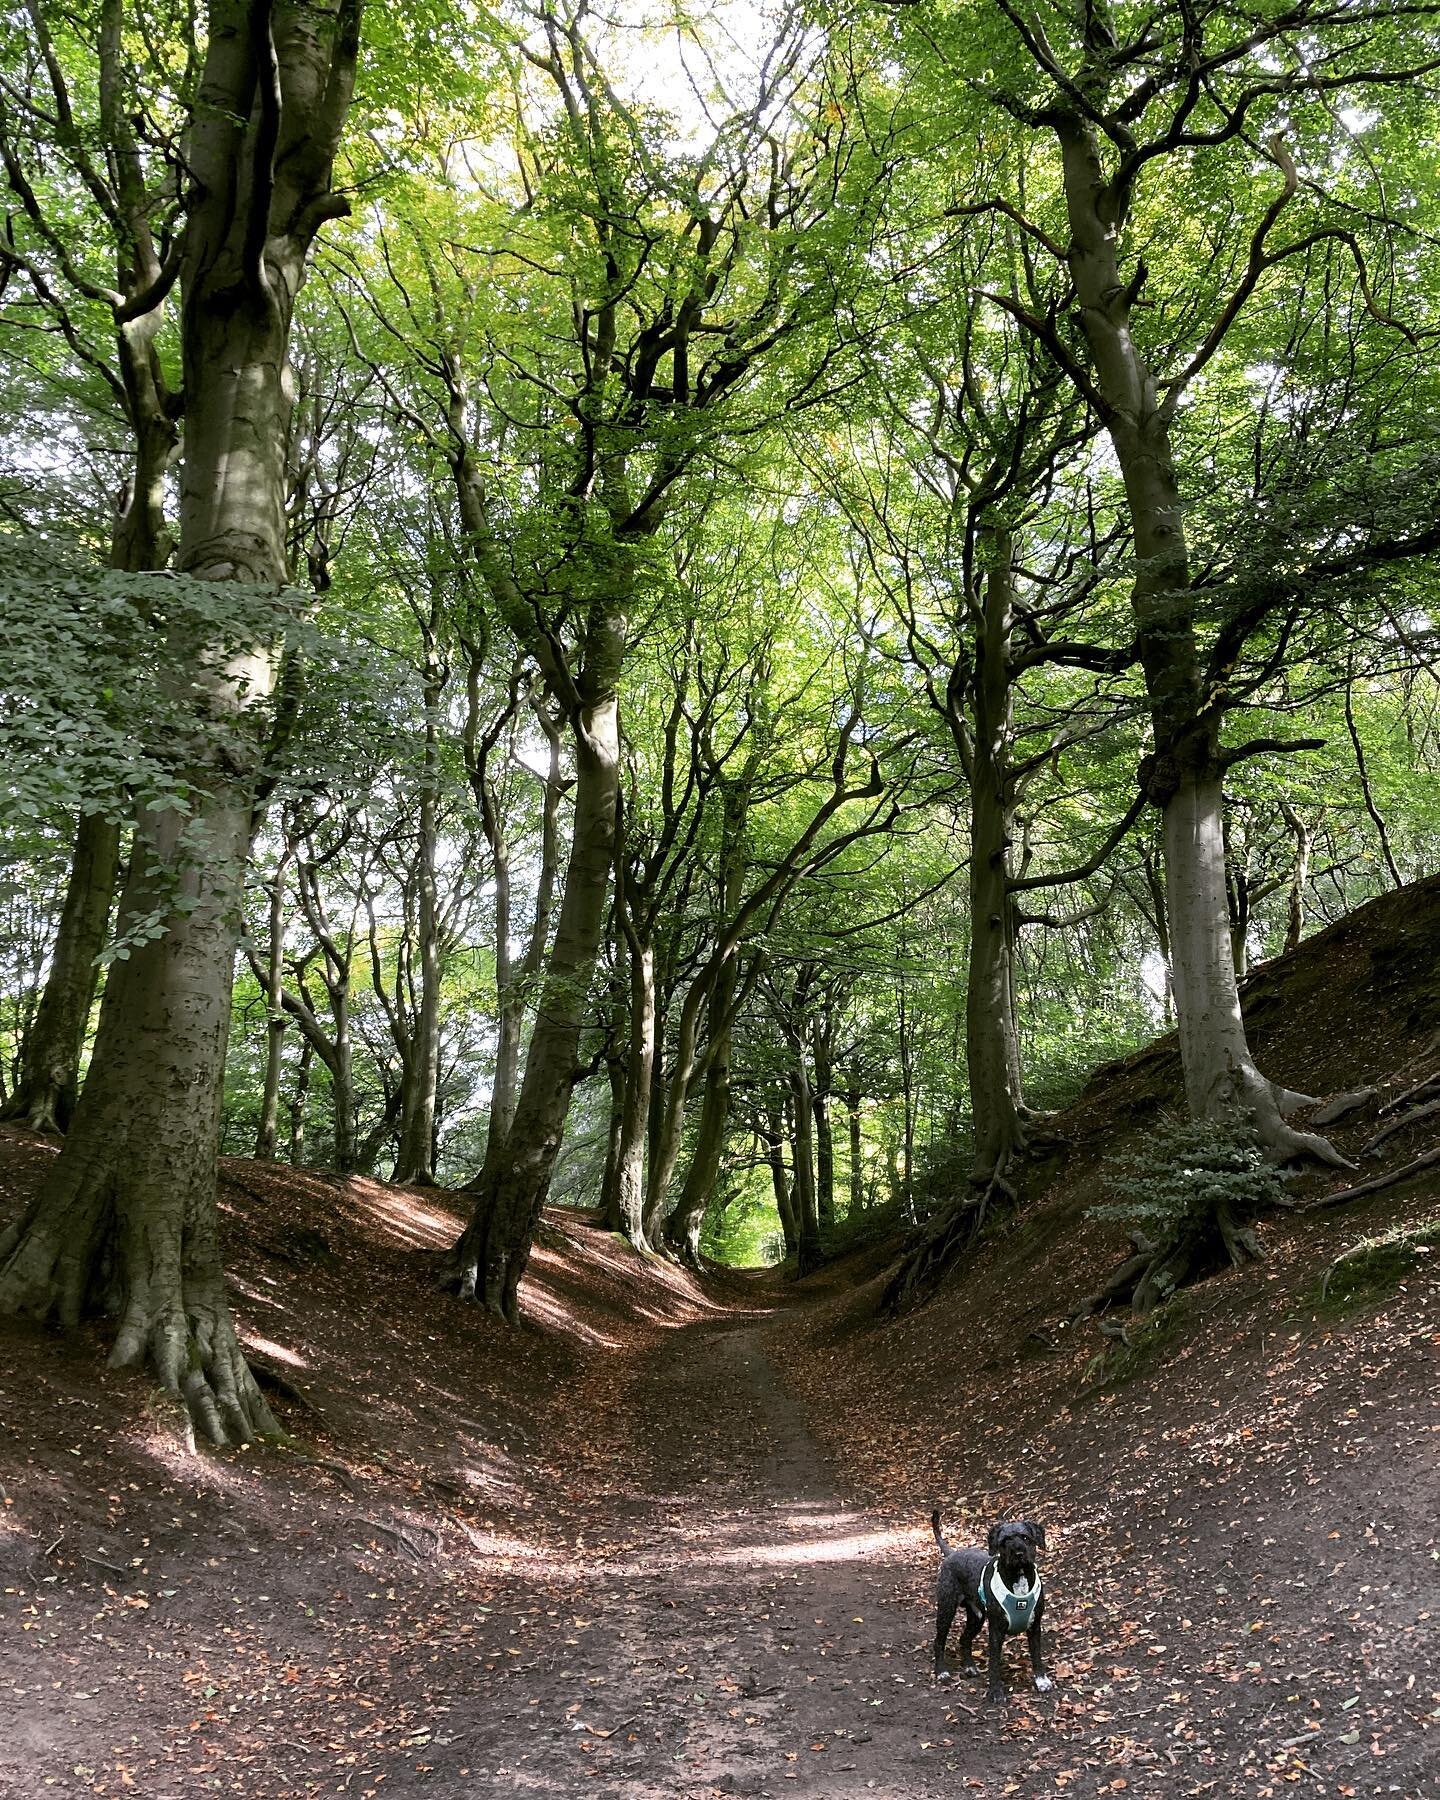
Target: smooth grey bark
[
  {"x": 772, "y": 1134},
  {"x": 126, "y": 1220},
  {"x": 639, "y": 1075},
  {"x": 682, "y": 1229},
  {"x": 1304, "y": 836},
  {"x": 513, "y": 978},
  {"x": 1183, "y": 776},
  {"x": 685, "y": 1223}
]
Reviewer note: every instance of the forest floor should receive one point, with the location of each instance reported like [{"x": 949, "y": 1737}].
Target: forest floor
[{"x": 671, "y": 1541}]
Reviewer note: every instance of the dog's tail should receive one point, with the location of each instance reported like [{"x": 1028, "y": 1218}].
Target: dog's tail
[{"x": 939, "y": 1535}]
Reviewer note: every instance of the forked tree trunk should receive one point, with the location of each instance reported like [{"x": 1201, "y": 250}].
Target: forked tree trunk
[
  {"x": 682, "y": 1231},
  {"x": 49, "y": 1079},
  {"x": 668, "y": 1119},
  {"x": 126, "y": 1219},
  {"x": 1183, "y": 776},
  {"x": 490, "y": 1256}
]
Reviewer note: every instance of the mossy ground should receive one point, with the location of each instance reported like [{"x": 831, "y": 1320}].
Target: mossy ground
[{"x": 1374, "y": 1268}]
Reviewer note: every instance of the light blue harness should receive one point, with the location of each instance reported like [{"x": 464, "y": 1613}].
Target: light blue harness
[{"x": 1019, "y": 1609}]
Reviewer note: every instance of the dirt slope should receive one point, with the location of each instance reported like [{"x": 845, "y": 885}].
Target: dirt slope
[
  {"x": 1243, "y": 1521},
  {"x": 671, "y": 1542}
]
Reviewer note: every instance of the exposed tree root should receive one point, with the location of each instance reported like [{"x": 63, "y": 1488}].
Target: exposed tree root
[
  {"x": 1389, "y": 1179},
  {"x": 939, "y": 1242},
  {"x": 1420, "y": 1091},
  {"x": 1339, "y": 1105},
  {"x": 1198, "y": 1248},
  {"x": 43, "y": 1108},
  {"x": 196, "y": 1355},
  {"x": 1269, "y": 1106},
  {"x": 1396, "y": 1126},
  {"x": 809, "y": 1256}
]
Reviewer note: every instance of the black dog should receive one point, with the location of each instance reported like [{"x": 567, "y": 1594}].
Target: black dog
[{"x": 1000, "y": 1587}]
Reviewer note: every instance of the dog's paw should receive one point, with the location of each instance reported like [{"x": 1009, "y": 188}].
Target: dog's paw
[
  {"x": 1043, "y": 1684},
  {"x": 942, "y": 1675},
  {"x": 998, "y": 1697}
]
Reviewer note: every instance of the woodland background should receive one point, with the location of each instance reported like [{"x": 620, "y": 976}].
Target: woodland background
[{"x": 597, "y": 587}]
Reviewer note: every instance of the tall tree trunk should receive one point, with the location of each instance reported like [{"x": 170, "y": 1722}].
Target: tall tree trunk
[
  {"x": 1183, "y": 776},
  {"x": 682, "y": 1230},
  {"x": 48, "y": 1084},
  {"x": 639, "y": 1077},
  {"x": 415, "y": 1161},
  {"x": 669, "y": 1119},
  {"x": 809, "y": 1254},
  {"x": 610, "y": 1179},
  {"x": 490, "y": 1256},
  {"x": 857, "y": 1160},
  {"x": 267, "y": 1137},
  {"x": 991, "y": 1049},
  {"x": 126, "y": 1219},
  {"x": 512, "y": 979},
  {"x": 1155, "y": 882},
  {"x": 773, "y": 1134},
  {"x": 296, "y": 1106},
  {"x": 824, "y": 1135},
  {"x": 1300, "y": 878}
]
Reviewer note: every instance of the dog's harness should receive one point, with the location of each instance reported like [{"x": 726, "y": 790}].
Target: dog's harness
[{"x": 1018, "y": 1607}]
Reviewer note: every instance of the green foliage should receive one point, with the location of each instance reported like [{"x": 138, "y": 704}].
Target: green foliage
[
  {"x": 742, "y": 1228},
  {"x": 1188, "y": 1170}
]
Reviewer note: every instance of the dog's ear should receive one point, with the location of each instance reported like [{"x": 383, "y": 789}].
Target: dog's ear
[
  {"x": 992, "y": 1543},
  {"x": 1037, "y": 1532}
]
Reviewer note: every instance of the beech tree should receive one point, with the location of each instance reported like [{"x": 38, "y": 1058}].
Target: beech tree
[
  {"x": 126, "y": 1219},
  {"x": 96, "y": 190},
  {"x": 1118, "y": 111}
]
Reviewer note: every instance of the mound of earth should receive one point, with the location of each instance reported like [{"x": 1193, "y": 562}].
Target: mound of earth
[{"x": 1241, "y": 1501}]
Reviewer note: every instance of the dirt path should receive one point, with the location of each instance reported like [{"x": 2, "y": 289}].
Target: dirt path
[
  {"x": 752, "y": 1637},
  {"x": 647, "y": 1582}
]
